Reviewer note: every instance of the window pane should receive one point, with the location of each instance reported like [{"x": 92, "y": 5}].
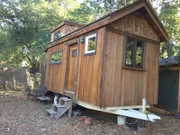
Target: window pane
[
  {"x": 129, "y": 52},
  {"x": 57, "y": 35},
  {"x": 139, "y": 54},
  {"x": 56, "y": 57},
  {"x": 74, "y": 53},
  {"x": 91, "y": 44}
]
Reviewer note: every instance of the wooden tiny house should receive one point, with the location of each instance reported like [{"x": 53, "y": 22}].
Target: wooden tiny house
[
  {"x": 111, "y": 62},
  {"x": 169, "y": 83}
]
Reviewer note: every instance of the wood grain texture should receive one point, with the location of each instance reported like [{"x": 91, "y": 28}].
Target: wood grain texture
[
  {"x": 101, "y": 78},
  {"x": 54, "y": 72},
  {"x": 124, "y": 87},
  {"x": 89, "y": 72},
  {"x": 136, "y": 23},
  {"x": 71, "y": 72},
  {"x": 135, "y": 8}
]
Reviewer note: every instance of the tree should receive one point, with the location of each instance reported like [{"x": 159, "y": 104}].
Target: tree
[
  {"x": 170, "y": 18},
  {"x": 27, "y": 24}
]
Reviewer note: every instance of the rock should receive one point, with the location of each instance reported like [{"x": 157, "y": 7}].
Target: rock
[
  {"x": 82, "y": 118},
  {"x": 38, "y": 79},
  {"x": 87, "y": 121},
  {"x": 37, "y": 75}
]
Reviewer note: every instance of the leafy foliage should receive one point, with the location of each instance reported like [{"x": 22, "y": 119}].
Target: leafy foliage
[
  {"x": 25, "y": 25},
  {"x": 25, "y": 28},
  {"x": 170, "y": 17}
]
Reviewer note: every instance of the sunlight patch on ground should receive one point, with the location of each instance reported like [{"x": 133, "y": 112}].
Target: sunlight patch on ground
[{"x": 10, "y": 93}]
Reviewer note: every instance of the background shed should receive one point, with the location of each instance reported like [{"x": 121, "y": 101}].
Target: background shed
[{"x": 169, "y": 83}]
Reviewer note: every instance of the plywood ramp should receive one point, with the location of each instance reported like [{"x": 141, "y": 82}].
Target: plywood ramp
[{"x": 123, "y": 87}]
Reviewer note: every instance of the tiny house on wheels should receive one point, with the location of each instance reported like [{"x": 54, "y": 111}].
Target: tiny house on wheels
[{"x": 109, "y": 64}]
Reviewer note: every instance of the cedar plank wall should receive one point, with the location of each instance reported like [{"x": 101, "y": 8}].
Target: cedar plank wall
[
  {"x": 125, "y": 87},
  {"x": 55, "y": 72},
  {"x": 135, "y": 23},
  {"x": 89, "y": 72}
]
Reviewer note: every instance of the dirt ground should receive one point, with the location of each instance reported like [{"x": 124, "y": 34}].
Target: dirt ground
[{"x": 18, "y": 116}]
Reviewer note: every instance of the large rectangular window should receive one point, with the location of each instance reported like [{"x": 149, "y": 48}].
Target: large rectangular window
[
  {"x": 90, "y": 44},
  {"x": 134, "y": 53},
  {"x": 56, "y": 57}
]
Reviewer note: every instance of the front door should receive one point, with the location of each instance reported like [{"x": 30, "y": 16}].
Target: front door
[{"x": 71, "y": 69}]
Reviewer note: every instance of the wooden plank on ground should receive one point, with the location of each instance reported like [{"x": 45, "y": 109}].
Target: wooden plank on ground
[{"x": 157, "y": 110}]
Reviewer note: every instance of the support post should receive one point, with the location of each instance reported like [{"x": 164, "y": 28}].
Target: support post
[
  {"x": 143, "y": 105},
  {"x": 70, "y": 112},
  {"x": 121, "y": 120}
]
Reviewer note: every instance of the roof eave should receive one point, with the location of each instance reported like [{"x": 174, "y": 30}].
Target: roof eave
[{"x": 115, "y": 16}]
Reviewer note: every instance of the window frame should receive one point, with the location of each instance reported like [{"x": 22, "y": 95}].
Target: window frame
[
  {"x": 58, "y": 62},
  {"x": 73, "y": 51},
  {"x": 90, "y": 35},
  {"x": 134, "y": 52},
  {"x": 55, "y": 33}
]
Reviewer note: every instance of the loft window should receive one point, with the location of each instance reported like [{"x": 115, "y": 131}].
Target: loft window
[
  {"x": 56, "y": 57},
  {"x": 90, "y": 44},
  {"x": 134, "y": 53},
  {"x": 57, "y": 35}
]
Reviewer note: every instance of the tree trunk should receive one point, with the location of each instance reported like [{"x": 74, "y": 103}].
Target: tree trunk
[{"x": 35, "y": 67}]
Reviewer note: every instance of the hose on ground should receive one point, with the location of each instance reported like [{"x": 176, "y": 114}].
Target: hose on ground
[{"x": 132, "y": 123}]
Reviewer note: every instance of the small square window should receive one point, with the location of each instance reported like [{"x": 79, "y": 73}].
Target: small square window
[
  {"x": 57, "y": 35},
  {"x": 90, "y": 44},
  {"x": 56, "y": 57},
  {"x": 134, "y": 53},
  {"x": 74, "y": 53}
]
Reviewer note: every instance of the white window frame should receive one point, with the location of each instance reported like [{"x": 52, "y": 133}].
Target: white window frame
[{"x": 86, "y": 43}]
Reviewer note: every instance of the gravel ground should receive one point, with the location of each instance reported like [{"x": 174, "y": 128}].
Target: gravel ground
[{"x": 18, "y": 116}]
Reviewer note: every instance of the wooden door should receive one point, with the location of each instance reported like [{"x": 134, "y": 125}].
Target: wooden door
[{"x": 71, "y": 69}]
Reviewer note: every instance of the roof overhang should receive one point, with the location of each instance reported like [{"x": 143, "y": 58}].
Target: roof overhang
[
  {"x": 142, "y": 5},
  {"x": 65, "y": 22}
]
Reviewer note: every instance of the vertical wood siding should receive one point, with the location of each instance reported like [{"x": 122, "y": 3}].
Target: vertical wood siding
[
  {"x": 55, "y": 72},
  {"x": 124, "y": 87},
  {"x": 135, "y": 23},
  {"x": 120, "y": 87},
  {"x": 89, "y": 72}
]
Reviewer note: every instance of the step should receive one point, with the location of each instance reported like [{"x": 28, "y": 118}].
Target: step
[
  {"x": 44, "y": 98},
  {"x": 65, "y": 99},
  {"x": 59, "y": 105},
  {"x": 61, "y": 111},
  {"x": 51, "y": 112}
]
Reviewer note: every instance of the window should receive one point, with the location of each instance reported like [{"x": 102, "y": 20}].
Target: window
[
  {"x": 56, "y": 57},
  {"x": 74, "y": 53},
  {"x": 57, "y": 35},
  {"x": 134, "y": 53},
  {"x": 90, "y": 44}
]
